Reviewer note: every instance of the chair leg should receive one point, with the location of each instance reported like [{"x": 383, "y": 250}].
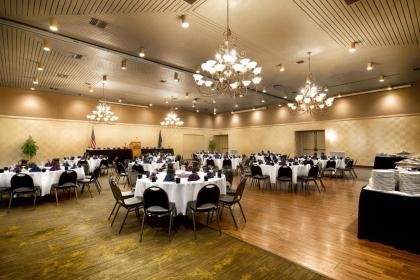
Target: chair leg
[
  {"x": 242, "y": 211},
  {"x": 316, "y": 184},
  {"x": 35, "y": 194},
  {"x": 193, "y": 218},
  {"x": 142, "y": 226},
  {"x": 113, "y": 220},
  {"x": 233, "y": 217},
  {"x": 123, "y": 222},
  {"x": 88, "y": 188},
  {"x": 218, "y": 222},
  {"x": 10, "y": 202},
  {"x": 322, "y": 184},
  {"x": 75, "y": 193},
  {"x": 170, "y": 226},
  {"x": 56, "y": 197},
  {"x": 98, "y": 188},
  {"x": 113, "y": 209}
]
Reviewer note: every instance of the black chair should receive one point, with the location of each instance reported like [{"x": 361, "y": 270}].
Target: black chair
[
  {"x": 244, "y": 171},
  {"x": 129, "y": 202},
  {"x": 207, "y": 202},
  {"x": 230, "y": 200},
  {"x": 329, "y": 168},
  {"x": 104, "y": 166},
  {"x": 227, "y": 163},
  {"x": 121, "y": 173},
  {"x": 139, "y": 168},
  {"x": 91, "y": 180},
  {"x": 348, "y": 168},
  {"x": 284, "y": 174},
  {"x": 257, "y": 177},
  {"x": 313, "y": 175},
  {"x": 86, "y": 168},
  {"x": 4, "y": 190},
  {"x": 23, "y": 184},
  {"x": 132, "y": 177},
  {"x": 156, "y": 204},
  {"x": 210, "y": 162},
  {"x": 67, "y": 181},
  {"x": 229, "y": 178}
]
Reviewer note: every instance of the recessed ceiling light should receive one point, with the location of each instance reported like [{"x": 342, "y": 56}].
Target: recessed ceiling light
[
  {"x": 46, "y": 46},
  {"x": 198, "y": 111},
  {"x": 262, "y": 100},
  {"x": 381, "y": 78},
  {"x": 285, "y": 96},
  {"x": 166, "y": 101},
  {"x": 176, "y": 108},
  {"x": 124, "y": 64},
  {"x": 184, "y": 23},
  {"x": 264, "y": 90},
  {"x": 369, "y": 66},
  {"x": 32, "y": 88},
  {"x": 176, "y": 77},
  {"x": 214, "y": 101},
  {"x": 352, "y": 48},
  {"x": 279, "y": 105},
  {"x": 39, "y": 67},
  {"x": 326, "y": 89},
  {"x": 197, "y": 69},
  {"x": 120, "y": 100},
  {"x": 232, "y": 112},
  {"x": 53, "y": 24},
  {"x": 90, "y": 89},
  {"x": 142, "y": 52},
  {"x": 150, "y": 105},
  {"x": 281, "y": 68},
  {"x": 35, "y": 81},
  {"x": 236, "y": 105},
  {"x": 389, "y": 87}
]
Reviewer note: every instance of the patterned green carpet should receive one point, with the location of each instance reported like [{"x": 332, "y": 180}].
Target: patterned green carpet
[{"x": 75, "y": 241}]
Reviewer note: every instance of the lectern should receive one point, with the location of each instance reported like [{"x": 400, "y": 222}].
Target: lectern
[{"x": 135, "y": 147}]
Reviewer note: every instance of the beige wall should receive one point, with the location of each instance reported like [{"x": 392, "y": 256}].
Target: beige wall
[
  {"x": 360, "y": 126},
  {"x": 59, "y": 138}
]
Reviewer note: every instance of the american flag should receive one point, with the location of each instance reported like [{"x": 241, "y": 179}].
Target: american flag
[{"x": 93, "y": 140}]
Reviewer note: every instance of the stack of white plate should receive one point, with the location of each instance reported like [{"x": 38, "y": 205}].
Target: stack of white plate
[
  {"x": 383, "y": 179},
  {"x": 410, "y": 182}
]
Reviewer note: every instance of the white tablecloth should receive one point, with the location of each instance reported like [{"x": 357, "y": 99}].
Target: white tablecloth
[
  {"x": 42, "y": 179},
  {"x": 181, "y": 193},
  {"x": 93, "y": 162},
  {"x": 152, "y": 166},
  {"x": 272, "y": 170}
]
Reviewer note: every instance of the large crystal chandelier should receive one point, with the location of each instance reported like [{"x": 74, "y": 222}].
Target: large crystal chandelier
[
  {"x": 230, "y": 72},
  {"x": 172, "y": 120},
  {"x": 103, "y": 111},
  {"x": 311, "y": 98}
]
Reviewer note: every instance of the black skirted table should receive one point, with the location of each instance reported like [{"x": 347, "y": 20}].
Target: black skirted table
[
  {"x": 157, "y": 150},
  {"x": 390, "y": 218},
  {"x": 121, "y": 153},
  {"x": 386, "y": 162}
]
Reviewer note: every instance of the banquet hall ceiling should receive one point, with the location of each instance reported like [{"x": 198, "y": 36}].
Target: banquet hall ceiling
[{"x": 270, "y": 31}]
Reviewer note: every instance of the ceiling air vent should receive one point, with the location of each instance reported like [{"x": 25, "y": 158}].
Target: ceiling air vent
[
  {"x": 190, "y": 1},
  {"x": 349, "y": 2},
  {"x": 300, "y": 61},
  {"x": 98, "y": 23},
  {"x": 63, "y": 76},
  {"x": 77, "y": 56}
]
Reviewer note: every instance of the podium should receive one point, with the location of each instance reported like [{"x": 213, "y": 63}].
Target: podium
[{"x": 135, "y": 147}]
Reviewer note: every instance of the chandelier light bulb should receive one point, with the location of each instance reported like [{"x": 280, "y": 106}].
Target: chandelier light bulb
[
  {"x": 90, "y": 89},
  {"x": 39, "y": 67},
  {"x": 369, "y": 66},
  {"x": 53, "y": 24},
  {"x": 124, "y": 64},
  {"x": 281, "y": 68}
]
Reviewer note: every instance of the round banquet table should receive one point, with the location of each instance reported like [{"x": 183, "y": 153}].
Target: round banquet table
[
  {"x": 152, "y": 166},
  {"x": 339, "y": 163},
  {"x": 180, "y": 193},
  {"x": 93, "y": 162},
  {"x": 42, "y": 179},
  {"x": 272, "y": 170}
]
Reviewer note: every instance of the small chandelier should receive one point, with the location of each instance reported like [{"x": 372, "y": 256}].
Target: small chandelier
[
  {"x": 230, "y": 72},
  {"x": 311, "y": 97},
  {"x": 103, "y": 111},
  {"x": 171, "y": 120}
]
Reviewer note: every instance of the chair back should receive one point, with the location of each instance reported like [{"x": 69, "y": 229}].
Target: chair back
[
  {"x": 104, "y": 163},
  {"x": 284, "y": 172},
  {"x": 330, "y": 164},
  {"x": 208, "y": 194},
  {"x": 240, "y": 189},
  {"x": 21, "y": 180},
  {"x": 313, "y": 171},
  {"x": 308, "y": 161},
  {"x": 120, "y": 168},
  {"x": 85, "y": 166},
  {"x": 210, "y": 162},
  {"x": 155, "y": 196},
  {"x": 229, "y": 175},
  {"x": 256, "y": 170},
  {"x": 349, "y": 164},
  {"x": 96, "y": 173},
  {"x": 139, "y": 168},
  {"x": 67, "y": 177},
  {"x": 227, "y": 162},
  {"x": 116, "y": 192},
  {"x": 132, "y": 177}
]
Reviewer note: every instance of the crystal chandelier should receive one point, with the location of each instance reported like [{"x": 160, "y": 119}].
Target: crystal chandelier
[
  {"x": 103, "y": 111},
  {"x": 230, "y": 72},
  {"x": 171, "y": 120},
  {"x": 311, "y": 97}
]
